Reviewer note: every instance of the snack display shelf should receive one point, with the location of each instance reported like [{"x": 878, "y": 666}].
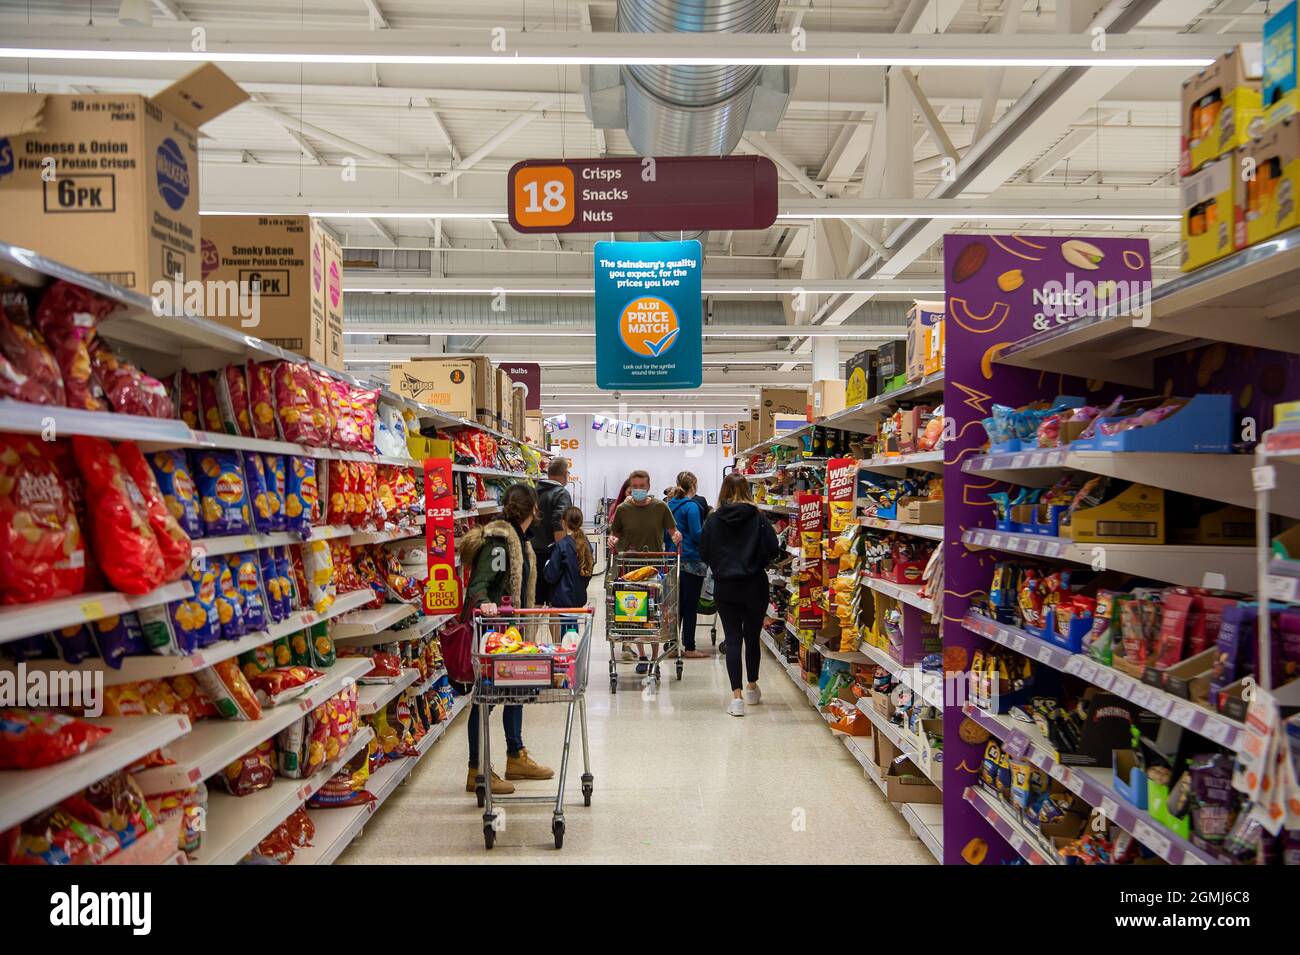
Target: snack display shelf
[
  {"x": 1284, "y": 580},
  {"x": 791, "y": 669},
  {"x": 1220, "y": 477},
  {"x": 1185, "y": 713},
  {"x": 28, "y": 620},
  {"x": 932, "y": 532},
  {"x": 25, "y": 792},
  {"x": 1009, "y": 827},
  {"x": 844, "y": 656},
  {"x": 238, "y": 442},
  {"x": 234, "y": 825},
  {"x": 764, "y": 476},
  {"x": 368, "y": 622},
  {"x": 1246, "y": 298},
  {"x": 157, "y": 666},
  {"x": 477, "y": 512},
  {"x": 336, "y": 828},
  {"x": 898, "y": 464},
  {"x": 906, "y": 593},
  {"x": 357, "y": 538},
  {"x": 1222, "y": 568},
  {"x": 905, "y": 742},
  {"x": 490, "y": 472},
  {"x": 926, "y": 820},
  {"x": 929, "y": 686},
  {"x": 1092, "y": 784},
  {"x": 373, "y": 697},
  {"x": 236, "y": 543},
  {"x": 778, "y": 508},
  {"x": 428, "y": 683},
  {"x": 214, "y": 744},
  {"x": 855, "y": 746},
  {"x": 422, "y": 627},
  {"x": 24, "y": 417}
]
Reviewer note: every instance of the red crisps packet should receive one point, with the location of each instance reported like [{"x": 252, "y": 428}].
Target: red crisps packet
[
  {"x": 261, "y": 399},
  {"x": 67, "y": 316},
  {"x": 173, "y": 542},
  {"x": 28, "y": 371},
  {"x": 30, "y": 739},
  {"x": 124, "y": 543},
  {"x": 42, "y": 555}
]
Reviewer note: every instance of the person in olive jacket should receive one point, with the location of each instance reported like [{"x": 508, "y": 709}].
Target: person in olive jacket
[
  {"x": 553, "y": 499},
  {"x": 503, "y": 565}
]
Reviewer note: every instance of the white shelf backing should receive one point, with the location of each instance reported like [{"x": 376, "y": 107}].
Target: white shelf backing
[
  {"x": 1094, "y": 786},
  {"x": 1219, "y": 477},
  {"x": 156, "y": 666},
  {"x": 1230, "y": 568},
  {"x": 236, "y": 824},
  {"x": 926, "y": 820},
  {"x": 361, "y": 623},
  {"x": 932, "y": 532},
  {"x": 998, "y": 815},
  {"x": 906, "y": 593},
  {"x": 1185, "y": 713},
  {"x": 423, "y": 627},
  {"x": 25, "y": 792},
  {"x": 1246, "y": 298},
  {"x": 373, "y": 697},
  {"x": 898, "y": 464},
  {"x": 214, "y": 744},
  {"x": 28, "y": 620}
]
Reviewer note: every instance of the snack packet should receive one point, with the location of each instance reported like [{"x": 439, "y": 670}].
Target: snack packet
[
  {"x": 173, "y": 542},
  {"x": 222, "y": 495},
  {"x": 41, "y": 551},
  {"x": 124, "y": 542},
  {"x": 171, "y": 469}
]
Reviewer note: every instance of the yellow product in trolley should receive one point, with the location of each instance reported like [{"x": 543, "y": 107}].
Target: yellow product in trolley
[
  {"x": 631, "y": 606},
  {"x": 641, "y": 573}
]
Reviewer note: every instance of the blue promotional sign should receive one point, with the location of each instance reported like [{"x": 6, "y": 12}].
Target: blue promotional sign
[{"x": 649, "y": 315}]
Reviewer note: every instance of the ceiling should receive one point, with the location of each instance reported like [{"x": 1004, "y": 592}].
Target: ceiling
[{"x": 357, "y": 136}]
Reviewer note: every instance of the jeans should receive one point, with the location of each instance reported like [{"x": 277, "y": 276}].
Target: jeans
[
  {"x": 690, "y": 586},
  {"x": 513, "y": 718}
]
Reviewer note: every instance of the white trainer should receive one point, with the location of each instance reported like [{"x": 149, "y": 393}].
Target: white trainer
[
  {"x": 752, "y": 695},
  {"x": 736, "y": 707}
]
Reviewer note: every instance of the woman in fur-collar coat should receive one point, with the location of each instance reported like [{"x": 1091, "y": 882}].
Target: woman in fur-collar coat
[{"x": 503, "y": 564}]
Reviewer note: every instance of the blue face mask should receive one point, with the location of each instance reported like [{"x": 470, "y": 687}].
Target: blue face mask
[{"x": 639, "y": 494}]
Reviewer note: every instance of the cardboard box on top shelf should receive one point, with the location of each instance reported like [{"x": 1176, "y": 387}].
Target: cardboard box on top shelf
[
  {"x": 744, "y": 434},
  {"x": 932, "y": 339},
  {"x": 1279, "y": 95},
  {"x": 108, "y": 183},
  {"x": 904, "y": 782},
  {"x": 286, "y": 258},
  {"x": 1134, "y": 516},
  {"x": 485, "y": 391},
  {"x": 1221, "y": 107},
  {"x": 518, "y": 410},
  {"x": 1266, "y": 203},
  {"x": 533, "y": 427},
  {"x": 781, "y": 402},
  {"x": 825, "y": 397},
  {"x": 921, "y": 318},
  {"x": 891, "y": 367},
  {"x": 1208, "y": 199},
  {"x": 505, "y": 400},
  {"x": 859, "y": 377},
  {"x": 332, "y": 301},
  {"x": 443, "y": 383}
]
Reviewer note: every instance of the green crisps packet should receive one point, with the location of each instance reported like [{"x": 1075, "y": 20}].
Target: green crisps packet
[{"x": 321, "y": 643}]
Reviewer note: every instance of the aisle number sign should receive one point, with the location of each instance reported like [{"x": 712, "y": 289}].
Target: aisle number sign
[
  {"x": 635, "y": 194},
  {"x": 442, "y": 588},
  {"x": 649, "y": 315}
]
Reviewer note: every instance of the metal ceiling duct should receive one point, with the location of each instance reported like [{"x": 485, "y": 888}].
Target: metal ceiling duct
[
  {"x": 691, "y": 110},
  {"x": 688, "y": 110}
]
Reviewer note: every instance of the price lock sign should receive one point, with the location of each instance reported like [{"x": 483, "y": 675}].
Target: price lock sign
[{"x": 442, "y": 588}]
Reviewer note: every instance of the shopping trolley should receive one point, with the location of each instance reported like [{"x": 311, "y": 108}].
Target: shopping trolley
[
  {"x": 643, "y": 611},
  {"x": 536, "y": 677}
]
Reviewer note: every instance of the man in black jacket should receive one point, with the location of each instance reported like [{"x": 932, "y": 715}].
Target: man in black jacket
[{"x": 552, "y": 501}]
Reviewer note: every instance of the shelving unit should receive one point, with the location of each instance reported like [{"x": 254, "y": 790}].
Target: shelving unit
[
  {"x": 932, "y": 532},
  {"x": 999, "y": 816},
  {"x": 905, "y": 593},
  {"x": 28, "y": 620},
  {"x": 364, "y": 623},
  {"x": 899, "y": 464},
  {"x": 373, "y": 697}
]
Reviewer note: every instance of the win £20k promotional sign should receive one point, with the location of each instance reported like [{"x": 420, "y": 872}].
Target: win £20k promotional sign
[{"x": 649, "y": 315}]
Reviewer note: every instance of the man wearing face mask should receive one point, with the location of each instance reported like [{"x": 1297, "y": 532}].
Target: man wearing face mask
[{"x": 640, "y": 524}]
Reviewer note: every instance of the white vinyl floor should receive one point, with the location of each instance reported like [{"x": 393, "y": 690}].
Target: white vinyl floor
[{"x": 677, "y": 781}]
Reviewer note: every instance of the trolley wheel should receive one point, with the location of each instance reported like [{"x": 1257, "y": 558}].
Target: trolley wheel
[
  {"x": 613, "y": 684},
  {"x": 480, "y": 793},
  {"x": 489, "y": 836},
  {"x": 587, "y": 780},
  {"x": 679, "y": 669},
  {"x": 713, "y": 634},
  {"x": 557, "y": 830},
  {"x": 657, "y": 673}
]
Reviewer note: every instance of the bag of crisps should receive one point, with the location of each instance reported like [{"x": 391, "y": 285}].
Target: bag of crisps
[
  {"x": 171, "y": 469},
  {"x": 297, "y": 412},
  {"x": 318, "y": 571},
  {"x": 233, "y": 395},
  {"x": 230, "y": 604},
  {"x": 67, "y": 316},
  {"x": 248, "y": 581},
  {"x": 227, "y": 688},
  {"x": 28, "y": 371},
  {"x": 173, "y": 542},
  {"x": 124, "y": 542},
  {"x": 260, "y": 501},
  {"x": 209, "y": 402},
  {"x": 261, "y": 399},
  {"x": 42, "y": 555},
  {"x": 187, "y": 402},
  {"x": 300, "y": 495},
  {"x": 253, "y": 771},
  {"x": 127, "y": 389},
  {"x": 223, "y": 499},
  {"x": 277, "y": 480}
]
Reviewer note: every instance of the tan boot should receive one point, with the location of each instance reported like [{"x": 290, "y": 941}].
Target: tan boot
[
  {"x": 524, "y": 766},
  {"x": 499, "y": 786}
]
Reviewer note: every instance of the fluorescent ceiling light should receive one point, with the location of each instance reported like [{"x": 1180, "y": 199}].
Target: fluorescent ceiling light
[{"x": 594, "y": 58}]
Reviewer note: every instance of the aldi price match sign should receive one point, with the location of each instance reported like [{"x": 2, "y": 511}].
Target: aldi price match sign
[{"x": 649, "y": 315}]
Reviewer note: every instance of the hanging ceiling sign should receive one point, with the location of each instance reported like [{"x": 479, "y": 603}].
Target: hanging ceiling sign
[
  {"x": 634, "y": 194},
  {"x": 649, "y": 315}
]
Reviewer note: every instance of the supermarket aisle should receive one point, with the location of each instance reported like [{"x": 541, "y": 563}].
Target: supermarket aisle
[{"x": 677, "y": 782}]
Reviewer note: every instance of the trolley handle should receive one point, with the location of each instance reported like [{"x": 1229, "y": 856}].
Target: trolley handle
[{"x": 533, "y": 611}]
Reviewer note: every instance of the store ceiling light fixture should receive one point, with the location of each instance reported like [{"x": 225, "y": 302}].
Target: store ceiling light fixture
[{"x": 961, "y": 215}]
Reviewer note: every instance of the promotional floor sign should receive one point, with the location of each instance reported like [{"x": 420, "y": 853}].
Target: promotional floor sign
[
  {"x": 649, "y": 315},
  {"x": 442, "y": 589}
]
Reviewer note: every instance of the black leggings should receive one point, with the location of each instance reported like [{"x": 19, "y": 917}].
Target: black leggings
[
  {"x": 742, "y": 605},
  {"x": 690, "y": 586}
]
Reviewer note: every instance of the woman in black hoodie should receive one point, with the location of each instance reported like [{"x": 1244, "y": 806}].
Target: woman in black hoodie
[{"x": 738, "y": 543}]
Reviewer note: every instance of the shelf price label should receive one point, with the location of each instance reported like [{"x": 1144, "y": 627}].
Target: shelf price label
[
  {"x": 92, "y": 610},
  {"x": 1157, "y": 842}
]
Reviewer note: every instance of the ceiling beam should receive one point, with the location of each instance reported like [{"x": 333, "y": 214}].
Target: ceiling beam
[
  {"x": 1076, "y": 137},
  {"x": 171, "y": 10},
  {"x": 491, "y": 143},
  {"x": 384, "y": 231},
  {"x": 993, "y": 80},
  {"x": 937, "y": 131},
  {"x": 377, "y": 19},
  {"x": 441, "y": 127}
]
